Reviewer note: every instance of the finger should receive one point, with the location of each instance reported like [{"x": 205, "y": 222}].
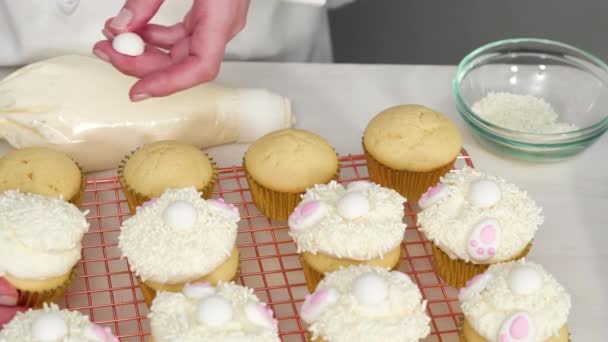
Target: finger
[
  {"x": 8, "y": 312},
  {"x": 152, "y": 60},
  {"x": 163, "y": 36},
  {"x": 134, "y": 15},
  {"x": 202, "y": 65},
  {"x": 8, "y": 293}
]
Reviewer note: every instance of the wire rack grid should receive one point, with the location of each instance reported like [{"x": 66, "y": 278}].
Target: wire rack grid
[{"x": 107, "y": 291}]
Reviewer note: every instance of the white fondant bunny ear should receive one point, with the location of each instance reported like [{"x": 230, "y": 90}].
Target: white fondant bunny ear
[
  {"x": 222, "y": 205},
  {"x": 307, "y": 215},
  {"x": 316, "y": 303},
  {"x": 433, "y": 195},
  {"x": 147, "y": 203},
  {"x": 517, "y": 328},
  {"x": 99, "y": 333},
  {"x": 260, "y": 314},
  {"x": 484, "y": 240},
  {"x": 484, "y": 193},
  {"x": 474, "y": 286}
]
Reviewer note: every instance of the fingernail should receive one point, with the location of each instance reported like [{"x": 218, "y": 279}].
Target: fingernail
[
  {"x": 122, "y": 20},
  {"x": 107, "y": 34},
  {"x": 101, "y": 55},
  {"x": 139, "y": 97},
  {"x": 8, "y": 300}
]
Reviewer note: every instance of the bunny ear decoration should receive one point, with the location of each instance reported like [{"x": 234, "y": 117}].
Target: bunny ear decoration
[
  {"x": 315, "y": 304},
  {"x": 307, "y": 215}
]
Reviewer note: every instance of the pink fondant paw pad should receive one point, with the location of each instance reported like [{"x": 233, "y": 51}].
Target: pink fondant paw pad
[
  {"x": 314, "y": 304},
  {"x": 517, "y": 328},
  {"x": 307, "y": 214},
  {"x": 484, "y": 240},
  {"x": 433, "y": 195}
]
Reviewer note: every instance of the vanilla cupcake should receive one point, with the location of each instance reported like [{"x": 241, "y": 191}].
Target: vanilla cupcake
[
  {"x": 42, "y": 171},
  {"x": 201, "y": 312},
  {"x": 52, "y": 324},
  {"x": 515, "y": 301},
  {"x": 40, "y": 244},
  {"x": 180, "y": 238},
  {"x": 337, "y": 226},
  {"x": 366, "y": 303},
  {"x": 153, "y": 168},
  {"x": 474, "y": 220}
]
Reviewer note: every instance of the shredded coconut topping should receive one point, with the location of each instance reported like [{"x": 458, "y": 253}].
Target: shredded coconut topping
[
  {"x": 161, "y": 253},
  {"x": 40, "y": 236},
  {"x": 450, "y": 221},
  {"x": 173, "y": 318},
  {"x": 487, "y": 310},
  {"x": 348, "y": 321},
  {"x": 523, "y": 113},
  {"x": 371, "y": 236}
]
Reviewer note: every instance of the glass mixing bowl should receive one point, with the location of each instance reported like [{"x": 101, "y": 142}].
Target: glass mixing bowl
[{"x": 573, "y": 81}]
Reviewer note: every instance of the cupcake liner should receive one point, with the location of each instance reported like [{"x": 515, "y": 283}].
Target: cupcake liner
[
  {"x": 36, "y": 299},
  {"x": 457, "y": 272},
  {"x": 77, "y": 199},
  {"x": 314, "y": 277},
  {"x": 410, "y": 184},
  {"x": 276, "y": 205},
  {"x": 462, "y": 338},
  {"x": 135, "y": 199}
]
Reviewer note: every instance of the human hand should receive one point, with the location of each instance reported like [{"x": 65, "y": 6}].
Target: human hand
[
  {"x": 195, "y": 46},
  {"x": 8, "y": 302}
]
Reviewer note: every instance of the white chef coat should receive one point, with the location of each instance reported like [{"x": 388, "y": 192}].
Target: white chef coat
[{"x": 276, "y": 30}]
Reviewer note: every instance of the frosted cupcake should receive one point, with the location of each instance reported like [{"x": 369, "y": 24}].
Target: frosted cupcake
[
  {"x": 52, "y": 324},
  {"x": 337, "y": 226},
  {"x": 474, "y": 220},
  {"x": 156, "y": 167},
  {"x": 180, "y": 238},
  {"x": 366, "y": 303},
  {"x": 201, "y": 312},
  {"x": 40, "y": 244},
  {"x": 516, "y": 301}
]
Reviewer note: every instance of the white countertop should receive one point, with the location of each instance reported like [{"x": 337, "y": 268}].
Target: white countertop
[{"x": 337, "y": 101}]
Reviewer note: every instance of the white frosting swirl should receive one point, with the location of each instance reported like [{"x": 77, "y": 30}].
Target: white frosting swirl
[
  {"x": 376, "y": 232},
  {"x": 49, "y": 322},
  {"x": 40, "y": 237},
  {"x": 489, "y": 307},
  {"x": 398, "y": 316},
  {"x": 451, "y": 222},
  {"x": 175, "y": 317},
  {"x": 163, "y": 253}
]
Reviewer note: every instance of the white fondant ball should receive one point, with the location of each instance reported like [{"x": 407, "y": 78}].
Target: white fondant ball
[
  {"x": 214, "y": 311},
  {"x": 370, "y": 289},
  {"x": 525, "y": 280},
  {"x": 484, "y": 193},
  {"x": 49, "y": 327},
  {"x": 353, "y": 205},
  {"x": 129, "y": 44},
  {"x": 180, "y": 215}
]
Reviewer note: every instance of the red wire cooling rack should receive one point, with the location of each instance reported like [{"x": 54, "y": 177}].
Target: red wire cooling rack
[{"x": 107, "y": 291}]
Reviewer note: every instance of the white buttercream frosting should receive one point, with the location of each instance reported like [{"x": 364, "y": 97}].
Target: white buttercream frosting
[
  {"x": 40, "y": 237},
  {"x": 54, "y": 325},
  {"x": 489, "y": 308},
  {"x": 226, "y": 313},
  {"x": 183, "y": 249},
  {"x": 366, "y": 303},
  {"x": 457, "y": 221},
  {"x": 361, "y": 222}
]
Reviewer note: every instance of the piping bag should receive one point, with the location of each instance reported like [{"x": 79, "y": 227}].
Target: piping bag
[{"x": 79, "y": 105}]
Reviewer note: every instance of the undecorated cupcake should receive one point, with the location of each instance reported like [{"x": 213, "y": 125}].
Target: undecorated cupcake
[
  {"x": 162, "y": 165},
  {"x": 473, "y": 220},
  {"x": 42, "y": 171},
  {"x": 40, "y": 244},
  {"x": 409, "y": 147},
  {"x": 201, "y": 312},
  {"x": 50, "y": 324},
  {"x": 366, "y": 303},
  {"x": 515, "y": 301},
  {"x": 337, "y": 226},
  {"x": 180, "y": 238},
  {"x": 281, "y": 165}
]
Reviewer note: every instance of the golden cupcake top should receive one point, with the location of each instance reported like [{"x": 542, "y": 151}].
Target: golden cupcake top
[
  {"x": 41, "y": 171},
  {"x": 413, "y": 138},
  {"x": 158, "y": 166},
  {"x": 291, "y": 160}
]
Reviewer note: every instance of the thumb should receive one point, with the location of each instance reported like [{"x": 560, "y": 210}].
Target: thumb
[
  {"x": 7, "y": 313},
  {"x": 134, "y": 15},
  {"x": 8, "y": 293}
]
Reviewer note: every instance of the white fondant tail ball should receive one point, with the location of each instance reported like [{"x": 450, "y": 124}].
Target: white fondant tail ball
[
  {"x": 49, "y": 327},
  {"x": 129, "y": 44},
  {"x": 180, "y": 215},
  {"x": 484, "y": 193},
  {"x": 525, "y": 280},
  {"x": 370, "y": 289},
  {"x": 214, "y": 311},
  {"x": 353, "y": 205},
  {"x": 358, "y": 186}
]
